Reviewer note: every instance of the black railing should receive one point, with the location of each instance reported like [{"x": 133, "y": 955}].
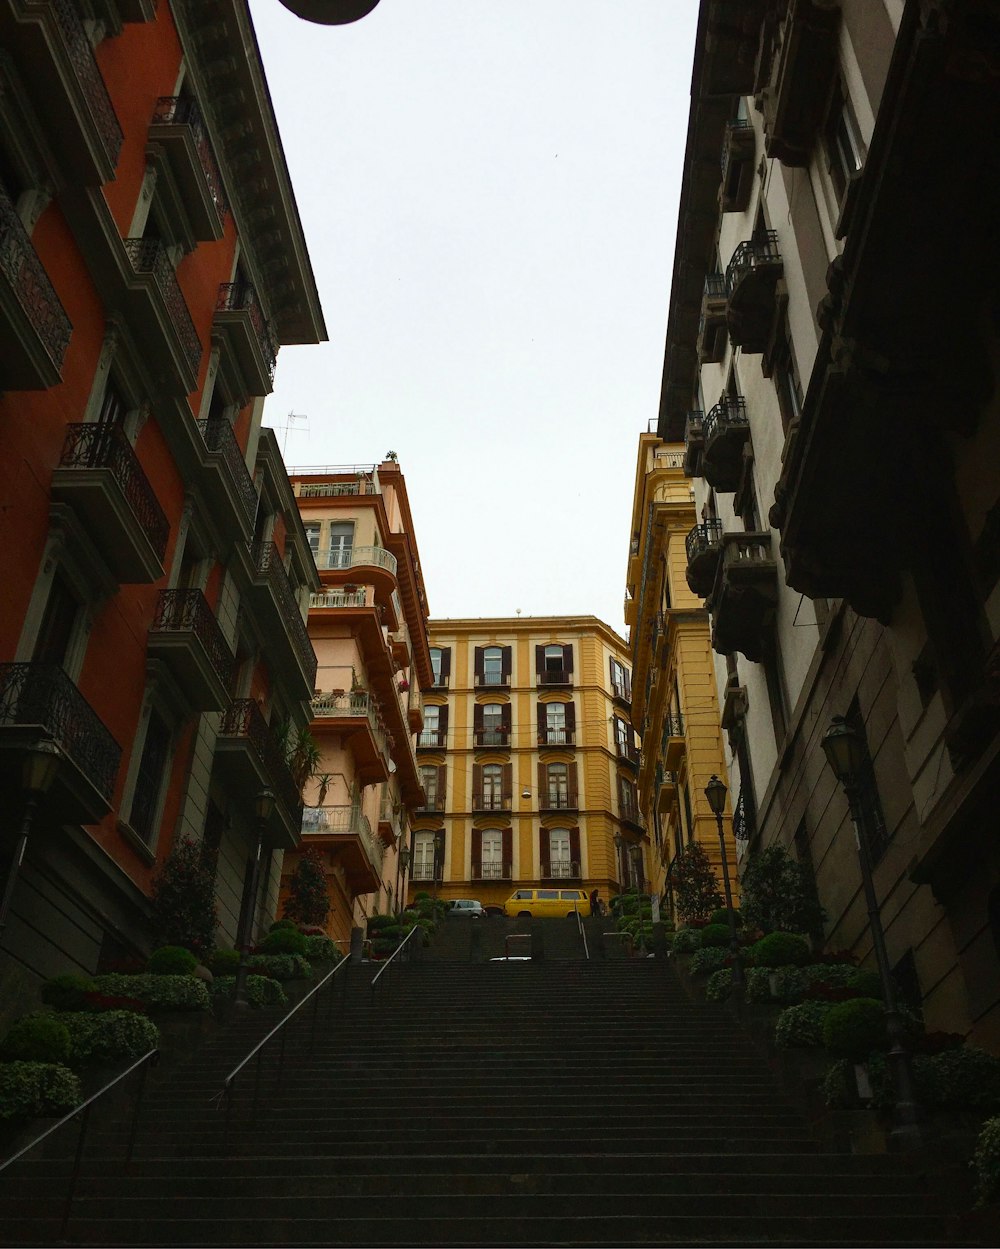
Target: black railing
[
  {"x": 243, "y": 719},
  {"x": 177, "y": 110},
  {"x": 151, "y": 256},
  {"x": 218, "y": 435},
  {"x": 187, "y": 611},
  {"x": 693, "y": 426},
  {"x": 433, "y": 738},
  {"x": 42, "y": 694},
  {"x": 562, "y": 871},
  {"x": 558, "y": 676},
  {"x": 751, "y": 254},
  {"x": 242, "y": 297},
  {"x": 267, "y": 559},
  {"x": 704, "y": 537},
  {"x": 556, "y": 737},
  {"x": 30, "y": 283},
  {"x": 490, "y": 737},
  {"x": 433, "y": 802},
  {"x": 740, "y": 126},
  {"x": 490, "y": 802},
  {"x": 730, "y": 410},
  {"x": 673, "y": 725},
  {"x": 744, "y": 820},
  {"x": 492, "y": 871},
  {"x": 81, "y": 56},
  {"x": 715, "y": 286},
  {"x": 553, "y": 800},
  {"x": 98, "y": 445}
]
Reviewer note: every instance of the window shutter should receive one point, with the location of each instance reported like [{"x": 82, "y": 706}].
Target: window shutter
[
  {"x": 574, "y": 851},
  {"x": 568, "y": 658},
  {"x": 442, "y": 773},
  {"x": 505, "y": 717},
  {"x": 478, "y": 664},
  {"x": 628, "y": 684},
  {"x": 439, "y": 858},
  {"x": 570, "y": 720},
  {"x": 539, "y": 659},
  {"x": 443, "y": 726},
  {"x": 505, "y": 656},
  {"x": 477, "y": 854},
  {"x": 477, "y": 787},
  {"x": 507, "y": 852},
  {"x": 477, "y": 718},
  {"x": 507, "y": 781},
  {"x": 541, "y": 722},
  {"x": 571, "y": 785},
  {"x": 446, "y": 661},
  {"x": 543, "y": 852},
  {"x": 543, "y": 786}
]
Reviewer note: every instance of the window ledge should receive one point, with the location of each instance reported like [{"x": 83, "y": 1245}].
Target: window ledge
[{"x": 136, "y": 842}]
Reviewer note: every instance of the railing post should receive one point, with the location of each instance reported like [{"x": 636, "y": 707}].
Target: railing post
[
  {"x": 229, "y": 1110},
  {"x": 135, "y": 1112},
  {"x": 77, "y": 1160}
]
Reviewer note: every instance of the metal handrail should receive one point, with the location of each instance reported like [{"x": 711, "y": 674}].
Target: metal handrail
[
  {"x": 514, "y": 936},
  {"x": 582, "y": 931},
  {"x": 626, "y": 937},
  {"x": 406, "y": 939},
  {"x": 150, "y": 1058}
]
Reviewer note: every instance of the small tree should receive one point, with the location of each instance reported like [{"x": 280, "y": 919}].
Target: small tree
[
  {"x": 308, "y": 901},
  {"x": 696, "y": 887},
  {"x": 184, "y": 900},
  {"x": 778, "y": 894}
]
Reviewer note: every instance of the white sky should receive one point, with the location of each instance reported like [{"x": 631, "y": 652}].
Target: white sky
[{"x": 489, "y": 194}]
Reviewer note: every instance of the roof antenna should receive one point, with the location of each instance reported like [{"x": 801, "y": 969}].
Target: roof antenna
[{"x": 289, "y": 427}]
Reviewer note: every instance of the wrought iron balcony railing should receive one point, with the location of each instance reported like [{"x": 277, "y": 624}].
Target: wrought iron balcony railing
[
  {"x": 357, "y": 703},
  {"x": 26, "y": 276},
  {"x": 754, "y": 253},
  {"x": 557, "y": 800},
  {"x": 434, "y": 739},
  {"x": 242, "y": 297},
  {"x": 357, "y": 556},
  {"x": 744, "y": 822},
  {"x": 492, "y": 871},
  {"x": 351, "y": 821},
  {"x": 267, "y": 559},
  {"x": 218, "y": 435},
  {"x": 187, "y": 611},
  {"x": 173, "y": 110},
  {"x": 558, "y": 676},
  {"x": 97, "y": 445},
  {"x": 673, "y": 725},
  {"x": 432, "y": 802},
  {"x": 563, "y": 871},
  {"x": 244, "y": 720},
  {"x": 81, "y": 57},
  {"x": 150, "y": 256},
  {"x": 490, "y": 802},
  {"x": 42, "y": 694},
  {"x": 729, "y": 411},
  {"x": 737, "y": 131},
  {"x": 715, "y": 286},
  {"x": 340, "y": 598},
  {"x": 556, "y": 737},
  {"x": 491, "y": 737},
  {"x": 703, "y": 538}
]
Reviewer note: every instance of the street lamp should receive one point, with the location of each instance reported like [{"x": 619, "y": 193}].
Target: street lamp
[
  {"x": 715, "y": 792},
  {"x": 438, "y": 866},
  {"x": 404, "y": 863},
  {"x": 330, "y": 12},
  {"x": 636, "y": 853},
  {"x": 845, "y": 754},
  {"x": 38, "y": 771},
  {"x": 263, "y": 810},
  {"x": 619, "y": 840}
]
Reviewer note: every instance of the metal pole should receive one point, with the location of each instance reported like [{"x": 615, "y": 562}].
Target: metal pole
[
  {"x": 245, "y": 925},
  {"x": 734, "y": 940},
  {"x": 30, "y": 806}
]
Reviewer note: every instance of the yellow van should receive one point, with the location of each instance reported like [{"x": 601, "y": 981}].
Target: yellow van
[{"x": 547, "y": 902}]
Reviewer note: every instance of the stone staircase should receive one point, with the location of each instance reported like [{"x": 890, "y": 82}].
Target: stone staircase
[{"x": 540, "y": 1103}]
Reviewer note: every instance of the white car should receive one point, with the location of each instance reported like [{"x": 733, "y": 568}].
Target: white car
[{"x": 466, "y": 906}]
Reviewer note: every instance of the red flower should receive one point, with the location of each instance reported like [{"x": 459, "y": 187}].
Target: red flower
[{"x": 97, "y": 1001}]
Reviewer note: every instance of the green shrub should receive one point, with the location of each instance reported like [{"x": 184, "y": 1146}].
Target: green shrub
[
  {"x": 30, "y": 1089},
  {"x": 281, "y": 966},
  {"x": 308, "y": 891},
  {"x": 864, "y": 982},
  {"x": 801, "y": 1026},
  {"x": 378, "y": 922},
  {"x": 67, "y": 992},
  {"x": 40, "y": 1038},
  {"x": 283, "y": 923},
  {"x": 696, "y": 886},
  {"x": 854, "y": 1029},
  {"x": 986, "y": 1162},
  {"x": 780, "y": 949},
  {"x": 111, "y": 1036},
  {"x": 722, "y": 917},
  {"x": 687, "y": 940},
  {"x": 838, "y": 1085},
  {"x": 158, "y": 992},
  {"x": 261, "y": 990},
  {"x": 720, "y": 985},
  {"x": 224, "y": 962},
  {"x": 778, "y": 894},
  {"x": 183, "y": 900},
  {"x": 171, "y": 960},
  {"x": 961, "y": 1079},
  {"x": 283, "y": 941},
  {"x": 322, "y": 950},
  {"x": 758, "y": 984},
  {"x": 715, "y": 935},
  {"x": 705, "y": 961}
]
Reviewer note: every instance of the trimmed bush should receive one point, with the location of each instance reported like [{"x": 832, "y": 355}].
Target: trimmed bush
[
  {"x": 720, "y": 985},
  {"x": 67, "y": 992},
  {"x": 283, "y": 923},
  {"x": 283, "y": 941},
  {"x": 281, "y": 966},
  {"x": 39, "y": 1038},
  {"x": 781, "y": 949},
  {"x": 864, "y": 983},
  {"x": 715, "y": 935},
  {"x": 854, "y": 1029},
  {"x": 224, "y": 962},
  {"x": 801, "y": 1026},
  {"x": 261, "y": 990},
  {"x": 158, "y": 992},
  {"x": 986, "y": 1162},
  {"x": 377, "y": 922},
  {"x": 96, "y": 1002},
  {"x": 308, "y": 899},
  {"x": 696, "y": 886},
  {"x": 721, "y": 916},
  {"x": 171, "y": 960},
  {"x": 322, "y": 950},
  {"x": 184, "y": 899},
  {"x": 687, "y": 940},
  {"x": 778, "y": 894},
  {"x": 705, "y": 961},
  {"x": 967, "y": 1078},
  {"x": 111, "y": 1036},
  {"x": 29, "y": 1090},
  {"x": 758, "y": 984}
]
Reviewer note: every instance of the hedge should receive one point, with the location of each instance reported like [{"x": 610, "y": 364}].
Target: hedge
[
  {"x": 158, "y": 992},
  {"x": 29, "y": 1090}
]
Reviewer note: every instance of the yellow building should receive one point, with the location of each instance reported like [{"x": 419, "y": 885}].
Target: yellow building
[
  {"x": 674, "y": 701},
  {"x": 527, "y": 760}
]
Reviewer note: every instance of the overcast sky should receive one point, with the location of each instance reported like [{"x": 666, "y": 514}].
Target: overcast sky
[{"x": 489, "y": 193}]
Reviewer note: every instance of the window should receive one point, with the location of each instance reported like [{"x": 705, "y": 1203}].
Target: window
[
  {"x": 628, "y": 803},
  {"x": 492, "y": 665},
  {"x": 493, "y": 731},
  {"x": 557, "y": 784},
  {"x": 492, "y": 783},
  {"x": 624, "y": 739},
  {"x": 430, "y": 781},
  {"x": 555, "y": 724},
  {"x": 872, "y": 823},
  {"x": 441, "y": 664},
  {"x": 435, "y": 726},
  {"x": 58, "y": 626},
  {"x": 621, "y": 684},
  {"x": 491, "y": 854},
  {"x": 145, "y": 809},
  {"x": 423, "y": 856},
  {"x": 554, "y": 664},
  {"x": 844, "y": 149},
  {"x": 341, "y": 544},
  {"x": 312, "y": 536},
  {"x": 559, "y": 860}
]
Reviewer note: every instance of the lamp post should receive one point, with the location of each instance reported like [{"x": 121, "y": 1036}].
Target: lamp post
[
  {"x": 263, "y": 810},
  {"x": 404, "y": 863},
  {"x": 619, "y": 841},
  {"x": 438, "y": 866},
  {"x": 715, "y": 792},
  {"x": 330, "y": 12},
  {"x": 636, "y": 852},
  {"x": 38, "y": 771},
  {"x": 845, "y": 754}
]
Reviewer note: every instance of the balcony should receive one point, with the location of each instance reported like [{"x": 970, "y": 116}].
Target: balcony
[
  {"x": 186, "y": 636},
  {"x": 38, "y": 700},
  {"x": 486, "y": 739},
  {"x": 672, "y": 741},
  {"x": 490, "y": 802},
  {"x": 358, "y": 719},
  {"x": 752, "y": 276},
  {"x": 796, "y": 98},
  {"x": 159, "y": 316},
  {"x": 250, "y": 757},
  {"x": 341, "y": 599},
  {"x": 555, "y": 676},
  {"x": 348, "y": 831},
  {"x": 372, "y": 564},
  {"x": 492, "y": 680},
  {"x": 627, "y": 755},
  {"x": 34, "y": 324},
  {"x": 666, "y": 788},
  {"x": 179, "y": 131},
  {"x": 240, "y": 322},
  {"x": 100, "y": 477},
  {"x": 727, "y": 431},
  {"x": 744, "y": 819},
  {"x": 432, "y": 802},
  {"x": 557, "y": 800},
  {"x": 432, "y": 739},
  {"x": 556, "y": 737},
  {"x": 415, "y": 709},
  {"x": 72, "y": 99},
  {"x": 745, "y": 596},
  {"x": 703, "y": 546},
  {"x": 491, "y": 871},
  {"x": 388, "y": 821},
  {"x": 562, "y": 871},
  {"x": 694, "y": 443},
  {"x": 628, "y": 609},
  {"x": 278, "y": 611},
  {"x": 739, "y": 147},
  {"x": 399, "y": 645},
  {"x": 712, "y": 326},
  {"x": 630, "y": 815},
  {"x": 229, "y": 488}
]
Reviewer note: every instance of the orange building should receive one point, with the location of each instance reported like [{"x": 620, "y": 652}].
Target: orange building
[
  {"x": 368, "y": 624},
  {"x": 154, "y": 566}
]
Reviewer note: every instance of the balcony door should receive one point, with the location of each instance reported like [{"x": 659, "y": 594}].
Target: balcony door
[
  {"x": 423, "y": 857},
  {"x": 341, "y": 544},
  {"x": 559, "y": 853},
  {"x": 555, "y": 723},
  {"x": 492, "y": 854}
]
